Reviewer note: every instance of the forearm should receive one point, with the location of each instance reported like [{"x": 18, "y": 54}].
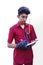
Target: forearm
[
  {"x": 11, "y": 45},
  {"x": 19, "y": 45}
]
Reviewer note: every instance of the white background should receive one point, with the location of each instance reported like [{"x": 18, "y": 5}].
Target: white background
[{"x": 8, "y": 17}]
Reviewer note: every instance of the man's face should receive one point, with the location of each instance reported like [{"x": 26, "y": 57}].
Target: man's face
[{"x": 22, "y": 18}]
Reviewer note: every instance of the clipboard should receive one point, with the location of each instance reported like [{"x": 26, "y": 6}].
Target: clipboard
[{"x": 32, "y": 42}]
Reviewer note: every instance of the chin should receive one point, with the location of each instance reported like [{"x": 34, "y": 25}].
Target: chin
[{"x": 23, "y": 23}]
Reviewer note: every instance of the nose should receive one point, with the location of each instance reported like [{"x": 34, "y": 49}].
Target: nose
[{"x": 25, "y": 19}]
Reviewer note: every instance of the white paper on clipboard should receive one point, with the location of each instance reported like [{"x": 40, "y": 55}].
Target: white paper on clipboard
[{"x": 32, "y": 42}]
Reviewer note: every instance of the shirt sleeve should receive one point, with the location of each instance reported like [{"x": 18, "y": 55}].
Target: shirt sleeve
[
  {"x": 10, "y": 35},
  {"x": 33, "y": 34}
]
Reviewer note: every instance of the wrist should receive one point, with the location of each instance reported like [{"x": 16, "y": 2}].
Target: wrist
[{"x": 14, "y": 45}]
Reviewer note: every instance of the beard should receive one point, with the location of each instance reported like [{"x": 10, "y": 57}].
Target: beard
[{"x": 23, "y": 22}]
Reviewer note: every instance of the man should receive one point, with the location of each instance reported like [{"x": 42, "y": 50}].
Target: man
[{"x": 23, "y": 34}]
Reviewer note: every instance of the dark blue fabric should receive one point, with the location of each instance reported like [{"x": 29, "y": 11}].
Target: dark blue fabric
[
  {"x": 27, "y": 36},
  {"x": 22, "y": 44}
]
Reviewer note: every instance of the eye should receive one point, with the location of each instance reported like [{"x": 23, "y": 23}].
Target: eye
[{"x": 24, "y": 17}]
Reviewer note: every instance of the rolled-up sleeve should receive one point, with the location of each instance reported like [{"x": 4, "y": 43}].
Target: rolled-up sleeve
[
  {"x": 33, "y": 34},
  {"x": 10, "y": 35}
]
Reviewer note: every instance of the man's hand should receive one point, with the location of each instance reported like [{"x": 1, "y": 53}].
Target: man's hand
[{"x": 11, "y": 45}]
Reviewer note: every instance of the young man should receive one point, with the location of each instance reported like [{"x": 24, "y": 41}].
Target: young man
[{"x": 23, "y": 34}]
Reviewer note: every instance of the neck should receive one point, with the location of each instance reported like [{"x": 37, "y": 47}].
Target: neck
[{"x": 22, "y": 26}]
